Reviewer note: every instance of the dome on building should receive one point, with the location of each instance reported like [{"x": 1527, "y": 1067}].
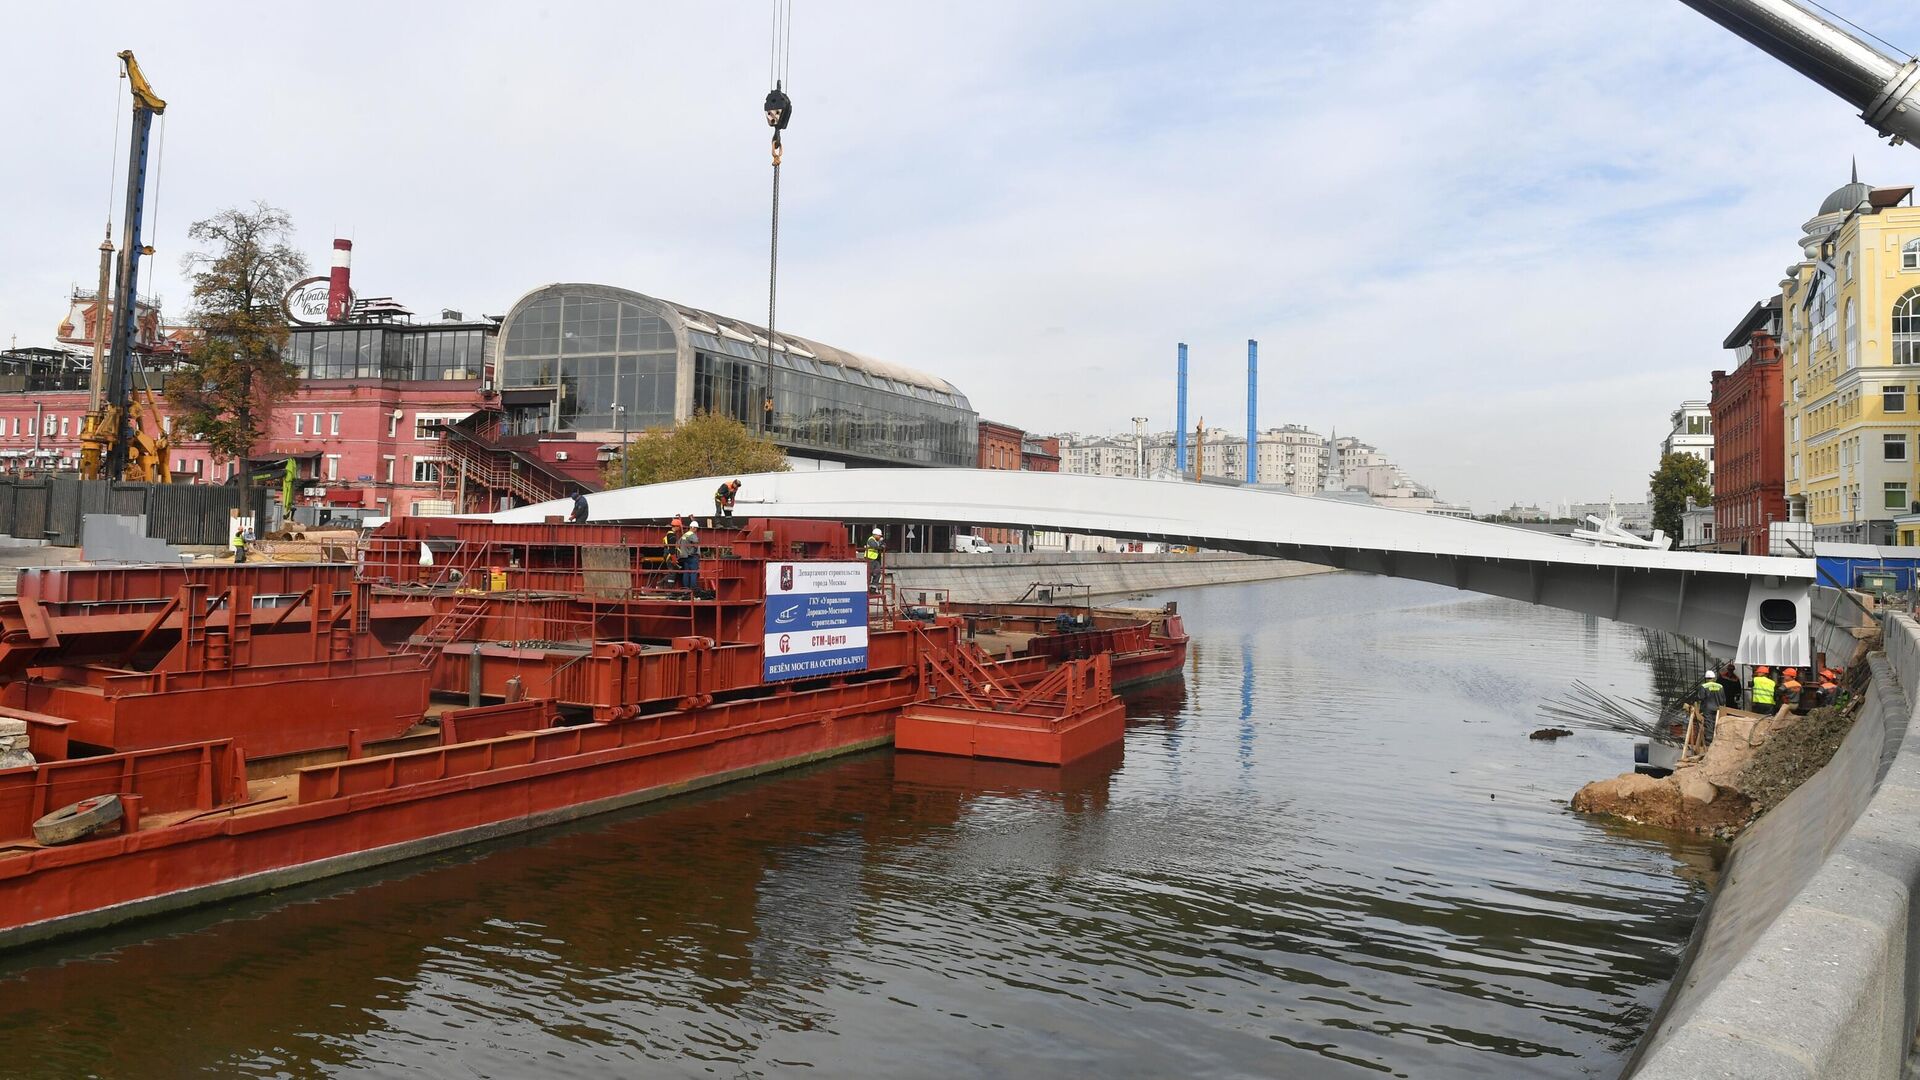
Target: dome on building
[{"x": 1847, "y": 196}]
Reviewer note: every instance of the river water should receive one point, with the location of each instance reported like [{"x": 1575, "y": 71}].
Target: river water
[{"x": 1330, "y": 852}]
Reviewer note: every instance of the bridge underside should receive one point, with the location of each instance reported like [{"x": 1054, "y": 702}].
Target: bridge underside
[{"x": 1715, "y": 598}]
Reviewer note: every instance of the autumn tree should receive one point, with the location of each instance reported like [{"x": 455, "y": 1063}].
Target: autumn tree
[
  {"x": 705, "y": 445},
  {"x": 233, "y": 378},
  {"x": 1680, "y": 477}
]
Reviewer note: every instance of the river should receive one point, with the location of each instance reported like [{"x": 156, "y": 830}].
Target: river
[{"x": 1331, "y": 851}]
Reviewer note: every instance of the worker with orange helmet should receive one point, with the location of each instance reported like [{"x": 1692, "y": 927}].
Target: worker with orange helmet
[
  {"x": 1760, "y": 696},
  {"x": 1790, "y": 690}
]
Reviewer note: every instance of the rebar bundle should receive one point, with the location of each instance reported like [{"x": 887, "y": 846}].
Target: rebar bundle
[{"x": 1588, "y": 708}]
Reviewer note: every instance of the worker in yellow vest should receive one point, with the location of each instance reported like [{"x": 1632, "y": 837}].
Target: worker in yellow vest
[
  {"x": 1760, "y": 695},
  {"x": 874, "y": 550}
]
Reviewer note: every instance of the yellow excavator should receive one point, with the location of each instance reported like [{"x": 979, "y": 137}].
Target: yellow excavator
[{"x": 120, "y": 438}]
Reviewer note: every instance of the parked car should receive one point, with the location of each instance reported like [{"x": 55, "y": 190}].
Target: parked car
[{"x": 968, "y": 544}]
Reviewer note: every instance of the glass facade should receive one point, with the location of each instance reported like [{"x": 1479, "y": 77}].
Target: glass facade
[
  {"x": 390, "y": 351},
  {"x": 596, "y": 346}
]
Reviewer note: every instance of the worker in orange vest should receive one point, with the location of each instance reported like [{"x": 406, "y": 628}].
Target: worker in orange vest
[{"x": 1790, "y": 689}]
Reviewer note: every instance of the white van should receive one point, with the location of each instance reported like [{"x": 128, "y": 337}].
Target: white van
[{"x": 968, "y": 544}]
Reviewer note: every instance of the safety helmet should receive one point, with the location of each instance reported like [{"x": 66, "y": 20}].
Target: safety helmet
[
  {"x": 1763, "y": 670},
  {"x": 876, "y": 530},
  {"x": 1712, "y": 674},
  {"x": 1792, "y": 673},
  {"x": 733, "y": 483},
  {"x": 677, "y": 521}
]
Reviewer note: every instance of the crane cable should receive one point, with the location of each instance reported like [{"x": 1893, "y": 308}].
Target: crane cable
[{"x": 779, "y": 53}]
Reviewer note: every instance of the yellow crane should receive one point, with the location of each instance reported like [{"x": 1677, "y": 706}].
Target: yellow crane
[{"x": 121, "y": 438}]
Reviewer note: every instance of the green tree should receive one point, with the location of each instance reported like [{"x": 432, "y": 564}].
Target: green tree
[
  {"x": 1680, "y": 477},
  {"x": 704, "y": 445},
  {"x": 236, "y": 374}
]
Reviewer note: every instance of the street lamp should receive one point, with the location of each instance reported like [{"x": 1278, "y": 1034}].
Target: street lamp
[{"x": 620, "y": 417}]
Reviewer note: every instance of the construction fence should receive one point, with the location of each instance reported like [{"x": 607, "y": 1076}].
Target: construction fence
[{"x": 51, "y": 508}]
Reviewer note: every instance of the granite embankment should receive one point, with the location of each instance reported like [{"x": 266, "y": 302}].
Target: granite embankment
[
  {"x": 1005, "y": 576},
  {"x": 1804, "y": 964}
]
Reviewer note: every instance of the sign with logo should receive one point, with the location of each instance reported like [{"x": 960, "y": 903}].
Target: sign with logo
[
  {"x": 306, "y": 302},
  {"x": 816, "y": 619}
]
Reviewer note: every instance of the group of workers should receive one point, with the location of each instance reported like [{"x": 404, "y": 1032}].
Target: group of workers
[
  {"x": 681, "y": 543},
  {"x": 1766, "y": 694}
]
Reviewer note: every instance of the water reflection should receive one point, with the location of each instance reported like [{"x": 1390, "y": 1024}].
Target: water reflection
[{"x": 1329, "y": 851}]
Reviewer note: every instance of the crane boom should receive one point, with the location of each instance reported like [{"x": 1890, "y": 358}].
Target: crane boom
[
  {"x": 109, "y": 443},
  {"x": 1885, "y": 87}
]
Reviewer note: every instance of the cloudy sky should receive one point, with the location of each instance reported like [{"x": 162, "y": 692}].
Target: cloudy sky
[{"x": 1500, "y": 239}]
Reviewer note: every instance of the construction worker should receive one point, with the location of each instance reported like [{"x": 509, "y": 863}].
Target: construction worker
[
  {"x": 723, "y": 499},
  {"x": 670, "y": 553},
  {"x": 239, "y": 545},
  {"x": 1709, "y": 698},
  {"x": 874, "y": 551},
  {"x": 688, "y": 547},
  {"x": 1760, "y": 694},
  {"x": 1730, "y": 685},
  {"x": 1829, "y": 686},
  {"x": 579, "y": 507},
  {"x": 1789, "y": 692}
]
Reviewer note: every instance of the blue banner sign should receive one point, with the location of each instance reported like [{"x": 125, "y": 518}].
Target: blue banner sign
[{"x": 816, "y": 619}]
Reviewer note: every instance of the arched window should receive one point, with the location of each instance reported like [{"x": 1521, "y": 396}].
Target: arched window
[
  {"x": 1853, "y": 335},
  {"x": 1846, "y": 267},
  {"x": 1910, "y": 255},
  {"x": 1906, "y": 328}
]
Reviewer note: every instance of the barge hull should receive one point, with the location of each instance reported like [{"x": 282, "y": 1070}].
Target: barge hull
[{"x": 111, "y": 881}]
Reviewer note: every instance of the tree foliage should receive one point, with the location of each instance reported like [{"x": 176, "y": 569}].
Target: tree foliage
[
  {"x": 704, "y": 445},
  {"x": 237, "y": 373},
  {"x": 1680, "y": 477}
]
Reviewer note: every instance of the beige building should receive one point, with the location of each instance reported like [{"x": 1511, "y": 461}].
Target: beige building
[{"x": 1850, "y": 354}]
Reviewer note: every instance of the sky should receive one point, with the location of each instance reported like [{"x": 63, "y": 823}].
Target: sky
[{"x": 1499, "y": 239}]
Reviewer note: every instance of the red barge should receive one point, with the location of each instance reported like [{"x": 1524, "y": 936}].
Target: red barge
[{"x": 205, "y": 732}]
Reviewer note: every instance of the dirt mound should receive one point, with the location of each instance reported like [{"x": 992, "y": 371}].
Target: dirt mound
[
  {"x": 1660, "y": 803},
  {"x": 1794, "y": 753}
]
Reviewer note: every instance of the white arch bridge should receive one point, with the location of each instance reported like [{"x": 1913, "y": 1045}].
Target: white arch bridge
[{"x": 1751, "y": 608}]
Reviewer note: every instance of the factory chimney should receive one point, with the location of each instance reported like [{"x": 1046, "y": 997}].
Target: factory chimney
[
  {"x": 1253, "y": 402},
  {"x": 339, "y": 295},
  {"x": 1180, "y": 417}
]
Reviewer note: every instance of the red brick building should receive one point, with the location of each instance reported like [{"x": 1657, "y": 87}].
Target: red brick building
[
  {"x": 1749, "y": 449},
  {"x": 1040, "y": 453},
  {"x": 1000, "y": 449}
]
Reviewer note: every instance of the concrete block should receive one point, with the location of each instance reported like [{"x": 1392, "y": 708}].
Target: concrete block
[
  {"x": 16, "y": 759},
  {"x": 1818, "y": 984},
  {"x": 1697, "y": 1053},
  {"x": 12, "y": 726}
]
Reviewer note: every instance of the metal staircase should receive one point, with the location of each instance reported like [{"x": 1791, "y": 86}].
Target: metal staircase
[{"x": 472, "y": 449}]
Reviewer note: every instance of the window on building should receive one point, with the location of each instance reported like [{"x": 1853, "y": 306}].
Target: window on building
[
  {"x": 388, "y": 460},
  {"x": 333, "y": 423},
  {"x": 166, "y": 424},
  {"x": 426, "y": 470},
  {"x": 299, "y": 423},
  {"x": 1895, "y": 494},
  {"x": 1906, "y": 328},
  {"x": 16, "y": 425},
  {"x": 316, "y": 423},
  {"x": 1853, "y": 335},
  {"x": 393, "y": 423},
  {"x": 1794, "y": 425},
  {"x": 1893, "y": 447},
  {"x": 1893, "y": 399},
  {"x": 1846, "y": 267},
  {"x": 1910, "y": 255},
  {"x": 63, "y": 427},
  {"x": 333, "y": 466}
]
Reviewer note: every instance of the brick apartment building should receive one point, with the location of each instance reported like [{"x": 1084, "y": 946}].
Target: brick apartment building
[{"x": 1749, "y": 476}]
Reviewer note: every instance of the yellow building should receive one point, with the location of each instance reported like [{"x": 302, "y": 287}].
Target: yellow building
[{"x": 1850, "y": 352}]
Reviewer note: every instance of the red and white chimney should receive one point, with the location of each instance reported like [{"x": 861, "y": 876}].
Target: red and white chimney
[{"x": 339, "y": 296}]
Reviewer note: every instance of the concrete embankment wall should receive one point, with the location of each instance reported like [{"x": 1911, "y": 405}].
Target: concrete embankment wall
[
  {"x": 1804, "y": 965},
  {"x": 1005, "y": 576}
]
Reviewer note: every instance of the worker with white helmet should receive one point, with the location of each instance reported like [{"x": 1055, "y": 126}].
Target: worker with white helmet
[
  {"x": 1710, "y": 697},
  {"x": 874, "y": 551}
]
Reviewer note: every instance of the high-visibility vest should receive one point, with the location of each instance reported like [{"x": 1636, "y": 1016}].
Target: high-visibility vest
[
  {"x": 239, "y": 540},
  {"x": 873, "y": 550},
  {"x": 1762, "y": 690},
  {"x": 1712, "y": 687}
]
